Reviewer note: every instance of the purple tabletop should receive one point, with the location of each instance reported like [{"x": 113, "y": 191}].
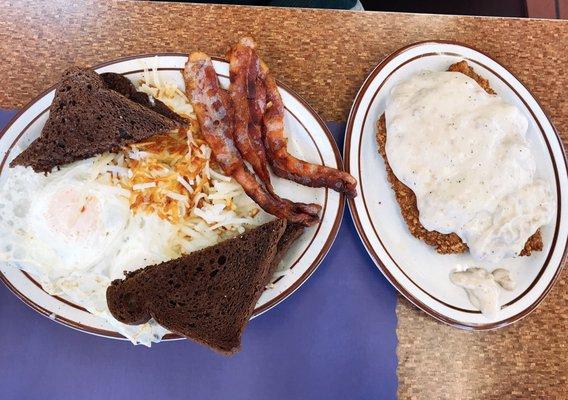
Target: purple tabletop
[{"x": 335, "y": 338}]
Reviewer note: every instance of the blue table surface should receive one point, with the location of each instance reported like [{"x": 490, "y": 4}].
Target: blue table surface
[{"x": 335, "y": 338}]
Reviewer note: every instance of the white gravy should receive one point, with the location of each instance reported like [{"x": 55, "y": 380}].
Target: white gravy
[
  {"x": 464, "y": 154},
  {"x": 483, "y": 288}
]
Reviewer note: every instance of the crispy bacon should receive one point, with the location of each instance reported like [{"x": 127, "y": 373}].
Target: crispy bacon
[
  {"x": 256, "y": 93},
  {"x": 249, "y": 103},
  {"x": 242, "y": 90},
  {"x": 214, "y": 111},
  {"x": 285, "y": 165}
]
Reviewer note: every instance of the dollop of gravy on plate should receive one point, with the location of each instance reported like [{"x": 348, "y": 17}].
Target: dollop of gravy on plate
[{"x": 483, "y": 288}]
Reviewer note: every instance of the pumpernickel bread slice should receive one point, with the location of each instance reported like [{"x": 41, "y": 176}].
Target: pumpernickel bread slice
[
  {"x": 292, "y": 232},
  {"x": 444, "y": 243},
  {"x": 121, "y": 84},
  {"x": 208, "y": 295},
  {"x": 85, "y": 119}
]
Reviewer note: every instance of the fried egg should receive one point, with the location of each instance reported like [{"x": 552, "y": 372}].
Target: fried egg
[{"x": 60, "y": 223}]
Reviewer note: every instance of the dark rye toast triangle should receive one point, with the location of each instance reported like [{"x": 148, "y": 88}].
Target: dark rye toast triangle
[
  {"x": 208, "y": 295},
  {"x": 87, "y": 118},
  {"x": 444, "y": 243},
  {"x": 121, "y": 84}
]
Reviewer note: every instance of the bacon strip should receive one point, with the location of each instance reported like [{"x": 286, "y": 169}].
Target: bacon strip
[
  {"x": 256, "y": 93},
  {"x": 242, "y": 90},
  {"x": 249, "y": 103},
  {"x": 213, "y": 108},
  {"x": 285, "y": 165}
]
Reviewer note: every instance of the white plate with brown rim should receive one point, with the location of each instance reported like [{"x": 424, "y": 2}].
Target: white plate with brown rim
[
  {"x": 414, "y": 268},
  {"x": 309, "y": 138}
]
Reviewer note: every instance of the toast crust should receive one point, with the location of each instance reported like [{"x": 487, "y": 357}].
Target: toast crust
[{"x": 443, "y": 243}]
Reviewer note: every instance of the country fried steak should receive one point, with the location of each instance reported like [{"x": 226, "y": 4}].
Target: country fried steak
[{"x": 443, "y": 243}]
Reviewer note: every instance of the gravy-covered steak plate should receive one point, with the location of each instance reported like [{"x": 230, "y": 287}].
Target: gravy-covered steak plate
[{"x": 463, "y": 182}]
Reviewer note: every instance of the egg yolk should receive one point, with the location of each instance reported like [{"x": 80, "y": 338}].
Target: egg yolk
[{"x": 73, "y": 215}]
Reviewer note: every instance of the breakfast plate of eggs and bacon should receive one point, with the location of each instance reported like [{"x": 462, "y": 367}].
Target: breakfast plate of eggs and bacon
[{"x": 164, "y": 196}]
